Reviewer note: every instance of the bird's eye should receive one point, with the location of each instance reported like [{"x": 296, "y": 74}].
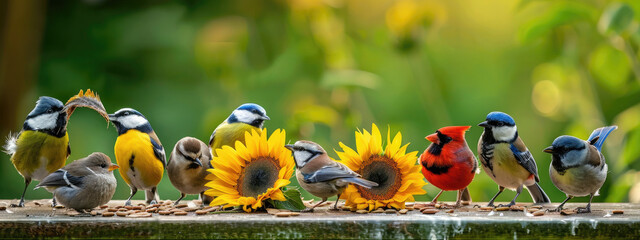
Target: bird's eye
[
  {"x": 126, "y": 113},
  {"x": 103, "y": 165},
  {"x": 500, "y": 124},
  {"x": 50, "y": 111}
]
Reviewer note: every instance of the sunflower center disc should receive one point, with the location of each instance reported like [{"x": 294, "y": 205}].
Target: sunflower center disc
[
  {"x": 257, "y": 177},
  {"x": 385, "y": 173}
]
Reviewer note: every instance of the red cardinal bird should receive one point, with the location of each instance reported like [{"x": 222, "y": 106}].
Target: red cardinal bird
[{"x": 448, "y": 163}]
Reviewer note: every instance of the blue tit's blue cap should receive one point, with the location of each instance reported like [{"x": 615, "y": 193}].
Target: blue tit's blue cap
[
  {"x": 567, "y": 142},
  {"x": 254, "y": 108},
  {"x": 501, "y": 117},
  {"x": 45, "y": 104}
]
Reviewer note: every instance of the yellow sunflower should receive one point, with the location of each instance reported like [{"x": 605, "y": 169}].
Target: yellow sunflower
[
  {"x": 247, "y": 175},
  {"x": 395, "y": 171}
]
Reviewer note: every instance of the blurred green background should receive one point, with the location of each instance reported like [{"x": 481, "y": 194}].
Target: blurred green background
[{"x": 324, "y": 68}]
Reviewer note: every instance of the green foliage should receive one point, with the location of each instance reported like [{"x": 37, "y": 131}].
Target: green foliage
[
  {"x": 615, "y": 19},
  {"x": 293, "y": 203}
]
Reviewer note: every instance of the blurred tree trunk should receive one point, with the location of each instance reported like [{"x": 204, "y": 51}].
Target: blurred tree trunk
[{"x": 21, "y": 29}]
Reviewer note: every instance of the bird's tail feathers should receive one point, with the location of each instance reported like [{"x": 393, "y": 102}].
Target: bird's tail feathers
[
  {"x": 466, "y": 196},
  {"x": 537, "y": 194},
  {"x": 362, "y": 182},
  {"x": 11, "y": 144},
  {"x": 601, "y": 134}
]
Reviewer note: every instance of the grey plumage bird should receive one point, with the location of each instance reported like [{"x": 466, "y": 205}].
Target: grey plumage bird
[
  {"x": 188, "y": 166},
  {"x": 83, "y": 184},
  {"x": 578, "y": 167},
  {"x": 321, "y": 176}
]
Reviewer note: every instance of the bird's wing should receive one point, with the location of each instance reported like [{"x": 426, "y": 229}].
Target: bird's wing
[
  {"x": 158, "y": 150},
  {"x": 330, "y": 172},
  {"x": 213, "y": 136},
  {"x": 61, "y": 178},
  {"x": 524, "y": 157},
  {"x": 485, "y": 153}
]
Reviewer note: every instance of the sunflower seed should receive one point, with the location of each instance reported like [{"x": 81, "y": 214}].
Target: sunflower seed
[
  {"x": 450, "y": 211},
  {"x": 403, "y": 211},
  {"x": 430, "y": 211},
  {"x": 362, "y": 211},
  {"x": 201, "y": 212},
  {"x": 180, "y": 213},
  {"x": 181, "y": 205},
  {"x": 104, "y": 206},
  {"x": 390, "y": 211},
  {"x": 502, "y": 208},
  {"x": 108, "y": 214},
  {"x": 618, "y": 212},
  {"x": 112, "y": 209},
  {"x": 151, "y": 210},
  {"x": 567, "y": 212},
  {"x": 122, "y": 214},
  {"x": 486, "y": 209},
  {"x": 164, "y": 212},
  {"x": 140, "y": 215},
  {"x": 539, "y": 213},
  {"x": 379, "y": 210}
]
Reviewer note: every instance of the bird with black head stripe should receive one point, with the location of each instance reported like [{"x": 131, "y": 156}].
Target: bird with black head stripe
[
  {"x": 139, "y": 153},
  {"x": 507, "y": 160},
  {"x": 578, "y": 167},
  {"x": 448, "y": 163}
]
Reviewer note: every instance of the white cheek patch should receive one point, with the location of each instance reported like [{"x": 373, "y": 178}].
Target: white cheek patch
[
  {"x": 132, "y": 121},
  {"x": 504, "y": 133},
  {"x": 44, "y": 121},
  {"x": 245, "y": 116},
  {"x": 301, "y": 157}
]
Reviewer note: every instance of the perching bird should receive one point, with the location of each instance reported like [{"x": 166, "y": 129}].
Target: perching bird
[
  {"x": 139, "y": 153},
  {"x": 578, "y": 167},
  {"x": 188, "y": 166},
  {"x": 83, "y": 184},
  {"x": 448, "y": 163},
  {"x": 243, "y": 119},
  {"x": 507, "y": 160},
  {"x": 42, "y": 147},
  {"x": 320, "y": 175}
]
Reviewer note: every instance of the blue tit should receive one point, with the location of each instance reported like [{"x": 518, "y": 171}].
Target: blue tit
[
  {"x": 507, "y": 160},
  {"x": 83, "y": 184},
  {"x": 187, "y": 168},
  {"x": 321, "y": 176},
  {"x": 42, "y": 147},
  {"x": 578, "y": 167},
  {"x": 247, "y": 117},
  {"x": 139, "y": 153}
]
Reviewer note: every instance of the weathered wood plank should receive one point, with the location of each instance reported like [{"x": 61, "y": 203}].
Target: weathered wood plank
[{"x": 37, "y": 222}]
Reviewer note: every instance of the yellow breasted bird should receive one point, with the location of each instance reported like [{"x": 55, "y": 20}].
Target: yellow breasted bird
[
  {"x": 139, "y": 153},
  {"x": 247, "y": 117},
  {"x": 42, "y": 146}
]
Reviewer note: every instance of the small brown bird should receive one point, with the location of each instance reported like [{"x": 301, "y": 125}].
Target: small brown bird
[
  {"x": 83, "y": 184},
  {"x": 188, "y": 166},
  {"x": 321, "y": 176}
]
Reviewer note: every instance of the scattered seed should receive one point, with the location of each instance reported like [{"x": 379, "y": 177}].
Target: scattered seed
[
  {"x": 59, "y": 206},
  {"x": 164, "y": 212},
  {"x": 502, "y": 208},
  {"x": 104, "y": 206},
  {"x": 180, "y": 213},
  {"x": 273, "y": 211},
  {"x": 535, "y": 206},
  {"x": 567, "y": 212},
  {"x": 430, "y": 211},
  {"x": 379, "y": 210},
  {"x": 94, "y": 213},
  {"x": 409, "y": 208},
  {"x": 2, "y": 208},
  {"x": 155, "y": 205},
  {"x": 108, "y": 214},
  {"x": 539, "y": 213},
  {"x": 189, "y": 209},
  {"x": 450, "y": 211},
  {"x": 466, "y": 203},
  {"x": 122, "y": 210},
  {"x": 403, "y": 211},
  {"x": 516, "y": 208},
  {"x": 140, "y": 215},
  {"x": 122, "y": 214},
  {"x": 129, "y": 207},
  {"x": 532, "y": 210},
  {"x": 282, "y": 214},
  {"x": 362, "y": 211},
  {"x": 138, "y": 207},
  {"x": 486, "y": 209},
  {"x": 618, "y": 212},
  {"x": 151, "y": 210},
  {"x": 168, "y": 202},
  {"x": 112, "y": 209},
  {"x": 390, "y": 211},
  {"x": 201, "y": 212},
  {"x": 73, "y": 213},
  {"x": 181, "y": 205},
  {"x": 437, "y": 205}
]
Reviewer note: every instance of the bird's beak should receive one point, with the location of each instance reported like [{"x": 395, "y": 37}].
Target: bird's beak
[
  {"x": 433, "y": 138},
  {"x": 483, "y": 124},
  {"x": 265, "y": 117},
  {"x": 548, "y": 149},
  {"x": 197, "y": 160},
  {"x": 112, "y": 117},
  {"x": 289, "y": 146},
  {"x": 113, "y": 167}
]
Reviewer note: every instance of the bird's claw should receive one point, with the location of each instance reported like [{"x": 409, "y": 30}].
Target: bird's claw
[
  {"x": 583, "y": 210},
  {"x": 127, "y": 203},
  {"x": 13, "y": 205},
  {"x": 153, "y": 202},
  {"x": 307, "y": 210}
]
